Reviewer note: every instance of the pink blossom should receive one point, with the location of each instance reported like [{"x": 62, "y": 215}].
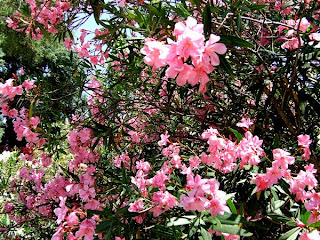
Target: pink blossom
[
  {"x": 164, "y": 139},
  {"x": 212, "y": 48},
  {"x": 72, "y": 219},
  {"x": 314, "y": 235},
  {"x": 137, "y": 206},
  {"x": 58, "y": 234},
  {"x": 156, "y": 53},
  {"x": 304, "y": 24},
  {"x": 62, "y": 211},
  {"x": 245, "y": 122},
  {"x": 87, "y": 192},
  {"x": 87, "y": 229},
  {"x": 304, "y": 140},
  {"x": 68, "y": 42}
]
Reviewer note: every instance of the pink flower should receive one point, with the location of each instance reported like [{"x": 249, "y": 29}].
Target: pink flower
[
  {"x": 68, "y": 43},
  {"x": 28, "y": 84},
  {"x": 156, "y": 53},
  {"x": 282, "y": 158},
  {"x": 304, "y": 140},
  {"x": 245, "y": 122},
  {"x": 164, "y": 139},
  {"x": 62, "y": 211},
  {"x": 314, "y": 235},
  {"x": 212, "y": 48},
  {"x": 119, "y": 238},
  {"x": 87, "y": 228},
  {"x": 72, "y": 219},
  {"x": 304, "y": 24},
  {"x": 58, "y": 234},
  {"x": 87, "y": 192},
  {"x": 137, "y": 206}
]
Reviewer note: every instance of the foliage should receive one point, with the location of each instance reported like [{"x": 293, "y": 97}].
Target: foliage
[{"x": 183, "y": 120}]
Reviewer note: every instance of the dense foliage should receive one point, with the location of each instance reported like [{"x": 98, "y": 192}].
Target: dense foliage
[{"x": 182, "y": 120}]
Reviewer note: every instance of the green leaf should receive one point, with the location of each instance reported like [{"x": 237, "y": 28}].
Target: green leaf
[
  {"x": 177, "y": 221},
  {"x": 225, "y": 65},
  {"x": 305, "y": 215},
  {"x": 237, "y": 134},
  {"x": 232, "y": 229},
  {"x": 235, "y": 41},
  {"x": 276, "y": 141},
  {"x": 206, "y": 16},
  {"x": 154, "y": 10},
  {"x": 257, "y": 6},
  {"x": 205, "y": 234},
  {"x": 283, "y": 219},
  {"x": 290, "y": 235},
  {"x": 232, "y": 206},
  {"x": 288, "y": 4},
  {"x": 239, "y": 20},
  {"x": 184, "y": 11},
  {"x": 213, "y": 220}
]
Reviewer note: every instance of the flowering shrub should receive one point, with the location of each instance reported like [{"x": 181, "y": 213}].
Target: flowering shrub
[{"x": 150, "y": 157}]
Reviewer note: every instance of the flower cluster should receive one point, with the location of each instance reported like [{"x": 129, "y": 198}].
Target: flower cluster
[
  {"x": 190, "y": 43},
  {"x": 47, "y": 13}
]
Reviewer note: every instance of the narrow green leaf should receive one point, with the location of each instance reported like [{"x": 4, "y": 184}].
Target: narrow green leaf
[
  {"x": 239, "y": 20},
  {"x": 237, "y": 134},
  {"x": 232, "y": 206},
  {"x": 235, "y": 41},
  {"x": 183, "y": 10},
  {"x": 305, "y": 215},
  {"x": 225, "y": 65},
  {"x": 177, "y": 221},
  {"x": 257, "y": 6},
  {"x": 232, "y": 229},
  {"x": 154, "y": 11},
  {"x": 291, "y": 234},
  {"x": 205, "y": 234},
  {"x": 288, "y": 4}
]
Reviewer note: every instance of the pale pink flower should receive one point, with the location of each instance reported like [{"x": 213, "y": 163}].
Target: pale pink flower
[
  {"x": 58, "y": 234},
  {"x": 245, "y": 123},
  {"x": 304, "y": 24},
  {"x": 314, "y": 235},
  {"x": 62, "y": 211},
  {"x": 212, "y": 48},
  {"x": 156, "y": 53},
  {"x": 164, "y": 139}
]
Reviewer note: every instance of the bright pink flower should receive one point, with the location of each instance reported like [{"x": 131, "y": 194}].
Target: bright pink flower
[
  {"x": 68, "y": 42},
  {"x": 282, "y": 158},
  {"x": 87, "y": 229},
  {"x": 72, "y": 219},
  {"x": 87, "y": 192},
  {"x": 218, "y": 206},
  {"x": 119, "y": 238},
  {"x": 58, "y": 234},
  {"x": 261, "y": 181},
  {"x": 28, "y": 84},
  {"x": 137, "y": 206}
]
